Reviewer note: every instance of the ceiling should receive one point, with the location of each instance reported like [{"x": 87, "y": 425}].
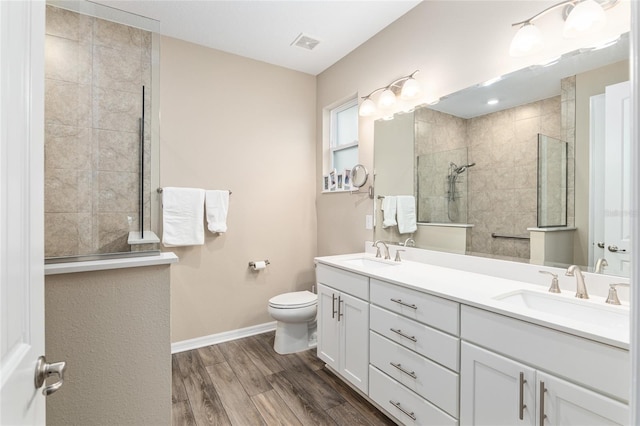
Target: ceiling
[{"x": 265, "y": 30}]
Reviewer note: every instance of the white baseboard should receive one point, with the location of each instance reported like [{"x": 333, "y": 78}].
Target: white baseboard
[{"x": 212, "y": 339}]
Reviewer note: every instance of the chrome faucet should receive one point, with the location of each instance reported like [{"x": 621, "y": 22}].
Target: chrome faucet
[
  {"x": 386, "y": 249},
  {"x": 581, "y": 288},
  {"x": 601, "y": 263},
  {"x": 409, "y": 242}
]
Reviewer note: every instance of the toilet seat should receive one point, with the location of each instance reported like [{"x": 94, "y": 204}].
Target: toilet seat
[{"x": 293, "y": 300}]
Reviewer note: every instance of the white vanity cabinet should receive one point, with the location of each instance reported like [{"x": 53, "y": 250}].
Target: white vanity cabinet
[
  {"x": 414, "y": 354},
  {"x": 500, "y": 390},
  {"x": 343, "y": 323}
]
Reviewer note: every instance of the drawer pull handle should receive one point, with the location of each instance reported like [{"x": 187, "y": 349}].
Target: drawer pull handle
[
  {"x": 407, "y": 372},
  {"x": 542, "y": 414},
  {"x": 399, "y": 407},
  {"x": 333, "y": 306},
  {"x": 522, "y": 405},
  {"x": 399, "y": 301},
  {"x": 406, "y": 336}
]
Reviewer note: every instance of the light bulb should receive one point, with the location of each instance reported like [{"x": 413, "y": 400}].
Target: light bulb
[
  {"x": 387, "y": 99},
  {"x": 410, "y": 88},
  {"x": 367, "y": 108},
  {"x": 527, "y": 41},
  {"x": 586, "y": 17}
]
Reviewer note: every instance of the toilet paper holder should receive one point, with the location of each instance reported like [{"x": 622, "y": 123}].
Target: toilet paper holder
[{"x": 253, "y": 264}]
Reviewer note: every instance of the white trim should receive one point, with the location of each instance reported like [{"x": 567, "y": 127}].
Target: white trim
[
  {"x": 212, "y": 339},
  {"x": 164, "y": 258}
]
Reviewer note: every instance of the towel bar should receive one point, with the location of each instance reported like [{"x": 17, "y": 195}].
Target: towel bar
[
  {"x": 160, "y": 191},
  {"x": 512, "y": 237}
]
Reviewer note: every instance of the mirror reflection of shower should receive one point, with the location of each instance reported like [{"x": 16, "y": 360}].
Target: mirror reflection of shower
[{"x": 452, "y": 177}]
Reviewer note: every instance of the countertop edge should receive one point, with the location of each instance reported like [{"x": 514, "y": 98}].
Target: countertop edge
[{"x": 164, "y": 258}]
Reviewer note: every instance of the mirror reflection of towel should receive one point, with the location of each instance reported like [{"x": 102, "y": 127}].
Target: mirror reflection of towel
[
  {"x": 389, "y": 211},
  {"x": 406, "y": 212}
]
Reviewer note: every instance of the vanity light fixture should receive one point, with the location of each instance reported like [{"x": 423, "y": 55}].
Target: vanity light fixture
[
  {"x": 407, "y": 87},
  {"x": 581, "y": 17}
]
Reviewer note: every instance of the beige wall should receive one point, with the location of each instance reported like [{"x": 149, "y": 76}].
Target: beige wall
[
  {"x": 112, "y": 329},
  {"x": 229, "y": 122},
  {"x": 453, "y": 49}
]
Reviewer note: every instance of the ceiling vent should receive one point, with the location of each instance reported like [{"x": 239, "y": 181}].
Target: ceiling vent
[{"x": 305, "y": 42}]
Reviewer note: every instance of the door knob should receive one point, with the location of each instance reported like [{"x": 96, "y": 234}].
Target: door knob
[
  {"x": 600, "y": 244},
  {"x": 614, "y": 249},
  {"x": 45, "y": 370}
]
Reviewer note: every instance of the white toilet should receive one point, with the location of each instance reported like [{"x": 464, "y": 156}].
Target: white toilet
[{"x": 295, "y": 313}]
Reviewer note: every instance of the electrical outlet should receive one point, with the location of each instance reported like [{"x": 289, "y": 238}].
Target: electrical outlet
[{"x": 369, "y": 221}]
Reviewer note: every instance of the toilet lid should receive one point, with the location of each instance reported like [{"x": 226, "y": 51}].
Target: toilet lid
[{"x": 295, "y": 299}]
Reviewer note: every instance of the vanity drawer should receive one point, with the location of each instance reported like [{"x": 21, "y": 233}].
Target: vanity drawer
[
  {"x": 431, "y": 310},
  {"x": 426, "y": 378},
  {"x": 354, "y": 284},
  {"x": 435, "y": 345},
  {"x": 403, "y": 404}
]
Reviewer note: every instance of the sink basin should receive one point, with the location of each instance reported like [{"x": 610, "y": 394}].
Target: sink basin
[
  {"x": 371, "y": 263},
  {"x": 574, "y": 309}
]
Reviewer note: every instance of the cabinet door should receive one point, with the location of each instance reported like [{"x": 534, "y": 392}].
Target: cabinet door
[
  {"x": 328, "y": 326},
  {"x": 353, "y": 315},
  {"x": 566, "y": 404},
  {"x": 495, "y": 390}
]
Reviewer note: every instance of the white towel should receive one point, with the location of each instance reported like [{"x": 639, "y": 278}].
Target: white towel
[
  {"x": 182, "y": 217},
  {"x": 389, "y": 211},
  {"x": 217, "y": 207},
  {"x": 406, "y": 214}
]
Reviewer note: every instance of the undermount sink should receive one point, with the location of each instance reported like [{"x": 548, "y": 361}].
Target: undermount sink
[
  {"x": 574, "y": 309},
  {"x": 368, "y": 262}
]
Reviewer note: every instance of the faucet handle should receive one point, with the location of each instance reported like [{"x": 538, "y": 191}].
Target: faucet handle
[
  {"x": 612, "y": 297},
  {"x": 398, "y": 259},
  {"x": 555, "y": 288}
]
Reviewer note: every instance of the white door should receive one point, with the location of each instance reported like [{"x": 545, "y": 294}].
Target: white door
[
  {"x": 21, "y": 210},
  {"x": 617, "y": 225},
  {"x": 565, "y": 404},
  {"x": 353, "y": 315},
  {"x": 495, "y": 390},
  {"x": 328, "y": 327}
]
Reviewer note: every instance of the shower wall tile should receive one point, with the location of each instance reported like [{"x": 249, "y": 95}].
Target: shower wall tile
[
  {"x": 111, "y": 34},
  {"x": 116, "y": 110},
  {"x": 117, "y": 69},
  {"x": 94, "y": 72},
  {"x": 67, "y": 147},
  {"x": 61, "y": 191},
  {"x": 67, "y": 103},
  {"x": 118, "y": 151}
]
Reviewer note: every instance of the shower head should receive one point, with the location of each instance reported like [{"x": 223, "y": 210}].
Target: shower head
[{"x": 462, "y": 169}]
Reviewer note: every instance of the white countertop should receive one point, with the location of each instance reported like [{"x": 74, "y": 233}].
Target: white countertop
[
  {"x": 479, "y": 290},
  {"x": 163, "y": 258}
]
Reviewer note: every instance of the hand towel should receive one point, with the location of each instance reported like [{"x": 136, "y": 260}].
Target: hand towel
[
  {"x": 389, "y": 211},
  {"x": 182, "y": 217},
  {"x": 406, "y": 206},
  {"x": 217, "y": 203}
]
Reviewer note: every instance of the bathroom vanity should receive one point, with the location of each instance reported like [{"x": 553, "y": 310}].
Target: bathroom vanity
[{"x": 432, "y": 345}]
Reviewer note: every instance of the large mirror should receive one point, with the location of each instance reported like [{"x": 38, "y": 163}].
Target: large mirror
[{"x": 515, "y": 179}]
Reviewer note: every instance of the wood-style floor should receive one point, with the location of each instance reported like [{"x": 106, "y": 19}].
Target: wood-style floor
[{"x": 245, "y": 382}]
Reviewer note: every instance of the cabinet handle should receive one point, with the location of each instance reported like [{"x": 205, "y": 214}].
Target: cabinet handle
[
  {"x": 522, "y": 405},
  {"x": 407, "y": 372},
  {"x": 406, "y": 336},
  {"x": 399, "y": 407},
  {"x": 333, "y": 305},
  {"x": 399, "y": 301},
  {"x": 340, "y": 314},
  {"x": 542, "y": 414}
]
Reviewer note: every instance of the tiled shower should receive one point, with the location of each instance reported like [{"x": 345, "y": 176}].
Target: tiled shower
[{"x": 94, "y": 73}]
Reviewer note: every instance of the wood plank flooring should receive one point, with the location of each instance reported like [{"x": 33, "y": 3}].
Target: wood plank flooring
[{"x": 245, "y": 382}]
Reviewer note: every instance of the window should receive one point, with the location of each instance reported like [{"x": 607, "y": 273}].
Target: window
[{"x": 344, "y": 136}]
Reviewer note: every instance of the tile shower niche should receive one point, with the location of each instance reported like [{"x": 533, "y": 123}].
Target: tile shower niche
[{"x": 97, "y": 171}]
